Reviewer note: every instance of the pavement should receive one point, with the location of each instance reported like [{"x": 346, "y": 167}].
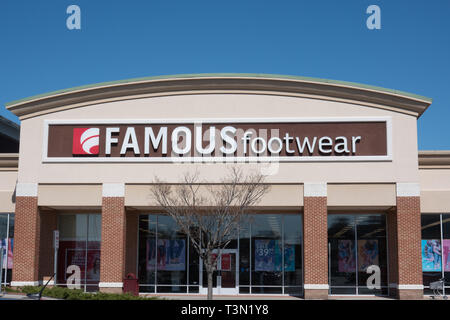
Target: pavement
[
  {"x": 226, "y": 297},
  {"x": 268, "y": 297},
  {"x": 260, "y": 297},
  {"x": 18, "y": 296}
]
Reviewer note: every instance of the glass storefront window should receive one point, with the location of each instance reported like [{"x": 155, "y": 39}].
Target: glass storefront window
[
  {"x": 266, "y": 253},
  {"x": 342, "y": 254},
  {"x": 355, "y": 243},
  {"x": 431, "y": 237},
  {"x": 163, "y": 256},
  {"x": 147, "y": 253},
  {"x": 3, "y": 225},
  {"x": 7, "y": 243},
  {"x": 80, "y": 239},
  {"x": 446, "y": 248},
  {"x": 171, "y": 253},
  {"x": 372, "y": 250},
  {"x": 435, "y": 248},
  {"x": 293, "y": 264},
  {"x": 266, "y": 257},
  {"x": 194, "y": 269},
  {"x": 244, "y": 257}
]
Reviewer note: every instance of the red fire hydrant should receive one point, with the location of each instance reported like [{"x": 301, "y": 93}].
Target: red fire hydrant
[{"x": 131, "y": 285}]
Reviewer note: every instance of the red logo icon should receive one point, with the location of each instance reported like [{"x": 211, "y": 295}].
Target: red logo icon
[{"x": 86, "y": 141}]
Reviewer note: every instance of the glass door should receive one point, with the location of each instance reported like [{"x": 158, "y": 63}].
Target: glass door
[{"x": 225, "y": 278}]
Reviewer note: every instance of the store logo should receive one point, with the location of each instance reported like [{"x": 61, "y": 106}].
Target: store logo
[
  {"x": 264, "y": 141},
  {"x": 86, "y": 141}
]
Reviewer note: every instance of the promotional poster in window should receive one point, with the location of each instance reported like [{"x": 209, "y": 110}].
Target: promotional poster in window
[
  {"x": 79, "y": 257},
  {"x": 431, "y": 255},
  {"x": 268, "y": 256},
  {"x": 346, "y": 256},
  {"x": 169, "y": 255},
  {"x": 368, "y": 254},
  {"x": 446, "y": 249},
  {"x": 10, "y": 252}
]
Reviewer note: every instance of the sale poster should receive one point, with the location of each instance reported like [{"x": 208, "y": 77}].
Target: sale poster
[
  {"x": 267, "y": 255},
  {"x": 431, "y": 255},
  {"x": 368, "y": 254},
  {"x": 346, "y": 256}
]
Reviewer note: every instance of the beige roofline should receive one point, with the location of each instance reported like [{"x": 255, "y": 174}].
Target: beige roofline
[
  {"x": 9, "y": 161},
  {"x": 434, "y": 159},
  {"x": 223, "y": 83}
]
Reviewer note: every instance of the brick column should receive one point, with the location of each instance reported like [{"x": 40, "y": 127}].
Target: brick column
[
  {"x": 112, "y": 265},
  {"x": 315, "y": 235},
  {"x": 392, "y": 252},
  {"x": 26, "y": 236},
  {"x": 408, "y": 271}
]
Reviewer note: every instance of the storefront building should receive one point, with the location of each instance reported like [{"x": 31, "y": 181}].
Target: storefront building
[{"x": 353, "y": 207}]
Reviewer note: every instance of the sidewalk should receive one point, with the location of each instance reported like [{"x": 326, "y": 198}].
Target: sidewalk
[
  {"x": 19, "y": 296},
  {"x": 222, "y": 297}
]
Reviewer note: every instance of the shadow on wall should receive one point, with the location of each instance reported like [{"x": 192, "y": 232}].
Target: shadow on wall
[{"x": 13, "y": 197}]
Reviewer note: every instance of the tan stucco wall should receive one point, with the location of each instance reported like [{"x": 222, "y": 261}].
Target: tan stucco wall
[
  {"x": 279, "y": 196},
  {"x": 435, "y": 190},
  {"x": 70, "y": 195},
  {"x": 361, "y": 195},
  {"x": 403, "y": 168},
  {"x": 7, "y": 186}
]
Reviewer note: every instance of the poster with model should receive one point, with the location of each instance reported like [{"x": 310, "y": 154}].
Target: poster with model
[
  {"x": 10, "y": 252},
  {"x": 446, "y": 257},
  {"x": 169, "y": 254},
  {"x": 431, "y": 255},
  {"x": 367, "y": 254},
  {"x": 93, "y": 265},
  {"x": 346, "y": 256},
  {"x": 75, "y": 256},
  {"x": 267, "y": 255}
]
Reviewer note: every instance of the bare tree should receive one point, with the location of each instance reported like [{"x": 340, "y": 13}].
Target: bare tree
[{"x": 210, "y": 214}]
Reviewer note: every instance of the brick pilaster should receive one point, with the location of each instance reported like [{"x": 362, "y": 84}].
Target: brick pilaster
[
  {"x": 112, "y": 265},
  {"x": 408, "y": 236},
  {"x": 26, "y": 242},
  {"x": 315, "y": 235}
]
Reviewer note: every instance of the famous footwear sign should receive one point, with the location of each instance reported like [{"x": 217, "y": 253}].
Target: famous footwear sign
[{"x": 332, "y": 139}]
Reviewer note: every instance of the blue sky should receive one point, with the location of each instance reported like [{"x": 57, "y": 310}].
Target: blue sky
[{"x": 316, "y": 38}]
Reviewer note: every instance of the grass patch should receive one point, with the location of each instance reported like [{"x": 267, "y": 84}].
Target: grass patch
[{"x": 77, "y": 294}]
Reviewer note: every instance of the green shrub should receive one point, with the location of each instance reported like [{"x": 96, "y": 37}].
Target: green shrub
[{"x": 77, "y": 294}]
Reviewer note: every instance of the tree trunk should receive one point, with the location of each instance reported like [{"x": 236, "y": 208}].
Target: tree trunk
[{"x": 210, "y": 284}]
